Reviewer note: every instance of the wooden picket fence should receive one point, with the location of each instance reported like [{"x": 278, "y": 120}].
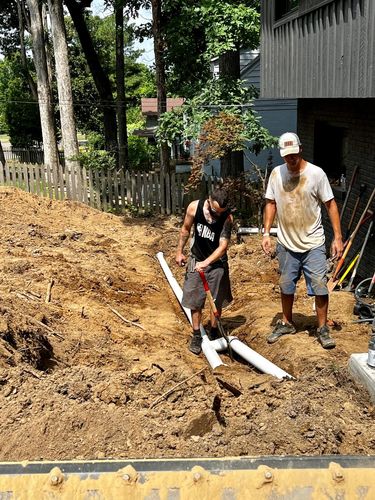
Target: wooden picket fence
[{"x": 109, "y": 190}]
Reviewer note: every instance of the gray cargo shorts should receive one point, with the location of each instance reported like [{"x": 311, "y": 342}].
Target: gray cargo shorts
[{"x": 217, "y": 275}]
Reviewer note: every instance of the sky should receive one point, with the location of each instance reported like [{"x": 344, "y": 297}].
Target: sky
[{"x": 147, "y": 57}]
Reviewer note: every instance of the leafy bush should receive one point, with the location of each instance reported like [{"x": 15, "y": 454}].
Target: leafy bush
[
  {"x": 95, "y": 140},
  {"x": 97, "y": 159},
  {"x": 141, "y": 154}
]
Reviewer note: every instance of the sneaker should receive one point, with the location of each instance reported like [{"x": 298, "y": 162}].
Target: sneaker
[
  {"x": 324, "y": 337},
  {"x": 196, "y": 344},
  {"x": 280, "y": 329}
]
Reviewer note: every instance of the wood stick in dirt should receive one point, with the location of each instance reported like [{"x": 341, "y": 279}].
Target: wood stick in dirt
[
  {"x": 49, "y": 289},
  {"x": 49, "y": 329},
  {"x": 28, "y": 295},
  {"x": 165, "y": 394},
  {"x": 27, "y": 370},
  {"x": 127, "y": 320}
]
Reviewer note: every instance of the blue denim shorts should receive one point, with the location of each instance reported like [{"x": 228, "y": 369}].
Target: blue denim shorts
[{"x": 313, "y": 265}]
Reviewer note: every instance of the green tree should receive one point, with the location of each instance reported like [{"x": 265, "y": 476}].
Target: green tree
[
  {"x": 9, "y": 37},
  {"x": 187, "y": 122},
  {"x": 17, "y": 106},
  {"x": 140, "y": 79}
]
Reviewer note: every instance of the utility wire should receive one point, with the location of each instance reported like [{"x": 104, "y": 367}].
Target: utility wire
[{"x": 114, "y": 103}]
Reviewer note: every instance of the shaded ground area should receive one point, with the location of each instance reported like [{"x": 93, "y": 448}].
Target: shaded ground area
[{"x": 79, "y": 382}]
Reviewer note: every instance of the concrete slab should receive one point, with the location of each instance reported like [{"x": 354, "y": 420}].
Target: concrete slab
[{"x": 363, "y": 373}]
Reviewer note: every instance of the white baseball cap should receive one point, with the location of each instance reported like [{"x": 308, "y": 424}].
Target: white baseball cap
[{"x": 289, "y": 144}]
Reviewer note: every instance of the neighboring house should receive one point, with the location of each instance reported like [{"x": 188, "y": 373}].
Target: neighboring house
[
  {"x": 149, "y": 108},
  {"x": 278, "y": 115},
  {"x": 322, "y": 53}
]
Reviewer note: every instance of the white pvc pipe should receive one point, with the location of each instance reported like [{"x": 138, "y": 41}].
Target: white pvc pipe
[
  {"x": 254, "y": 230},
  {"x": 251, "y": 356},
  {"x": 212, "y": 356},
  {"x": 220, "y": 344},
  {"x": 210, "y": 347},
  {"x": 173, "y": 282}
]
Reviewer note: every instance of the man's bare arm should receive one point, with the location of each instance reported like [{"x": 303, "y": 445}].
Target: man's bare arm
[
  {"x": 185, "y": 232},
  {"x": 337, "y": 246},
  {"x": 268, "y": 218}
]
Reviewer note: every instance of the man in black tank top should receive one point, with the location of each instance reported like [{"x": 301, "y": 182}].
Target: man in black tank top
[{"x": 212, "y": 223}]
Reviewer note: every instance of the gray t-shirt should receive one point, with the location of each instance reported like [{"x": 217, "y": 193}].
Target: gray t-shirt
[{"x": 298, "y": 201}]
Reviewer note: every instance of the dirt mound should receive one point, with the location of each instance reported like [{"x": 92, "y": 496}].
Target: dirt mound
[{"x": 91, "y": 337}]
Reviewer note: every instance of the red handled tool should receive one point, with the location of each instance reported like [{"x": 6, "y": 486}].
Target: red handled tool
[
  {"x": 333, "y": 280},
  {"x": 215, "y": 312}
]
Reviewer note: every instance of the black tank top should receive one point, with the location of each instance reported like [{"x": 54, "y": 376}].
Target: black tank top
[{"x": 206, "y": 234}]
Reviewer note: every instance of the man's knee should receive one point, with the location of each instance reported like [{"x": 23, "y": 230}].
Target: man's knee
[{"x": 287, "y": 285}]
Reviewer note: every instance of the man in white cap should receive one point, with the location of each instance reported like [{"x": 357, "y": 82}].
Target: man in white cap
[{"x": 295, "y": 192}]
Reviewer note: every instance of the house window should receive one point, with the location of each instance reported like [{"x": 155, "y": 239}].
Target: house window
[
  {"x": 283, "y": 7},
  {"x": 329, "y": 149}
]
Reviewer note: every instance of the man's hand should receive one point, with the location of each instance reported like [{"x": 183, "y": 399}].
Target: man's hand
[
  {"x": 180, "y": 259},
  {"x": 267, "y": 245},
  {"x": 337, "y": 248},
  {"x": 201, "y": 266}
]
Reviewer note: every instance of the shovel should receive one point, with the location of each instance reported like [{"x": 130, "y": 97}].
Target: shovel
[
  {"x": 362, "y": 189},
  {"x": 354, "y": 175},
  {"x": 215, "y": 312},
  {"x": 333, "y": 280}
]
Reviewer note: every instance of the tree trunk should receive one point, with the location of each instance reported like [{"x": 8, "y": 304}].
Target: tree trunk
[
  {"x": 64, "y": 87},
  {"x": 101, "y": 80},
  {"x": 160, "y": 76},
  {"x": 21, "y": 27},
  {"x": 47, "y": 47},
  {"x": 44, "y": 90},
  {"x": 120, "y": 83},
  {"x": 2, "y": 156},
  {"x": 232, "y": 164}
]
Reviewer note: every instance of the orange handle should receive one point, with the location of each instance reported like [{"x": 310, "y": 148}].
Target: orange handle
[
  {"x": 208, "y": 293},
  {"x": 341, "y": 261}
]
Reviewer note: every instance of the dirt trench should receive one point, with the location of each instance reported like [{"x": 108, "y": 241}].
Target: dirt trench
[{"x": 77, "y": 381}]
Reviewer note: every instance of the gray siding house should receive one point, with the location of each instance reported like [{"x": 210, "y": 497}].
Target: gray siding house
[
  {"x": 322, "y": 53},
  {"x": 277, "y": 115}
]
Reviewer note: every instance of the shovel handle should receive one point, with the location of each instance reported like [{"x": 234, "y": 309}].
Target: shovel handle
[
  {"x": 215, "y": 312},
  {"x": 354, "y": 175},
  {"x": 208, "y": 293}
]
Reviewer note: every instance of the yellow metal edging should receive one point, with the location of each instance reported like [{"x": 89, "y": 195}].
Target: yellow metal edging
[{"x": 226, "y": 479}]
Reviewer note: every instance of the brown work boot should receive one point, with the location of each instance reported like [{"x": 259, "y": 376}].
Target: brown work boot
[{"x": 324, "y": 337}]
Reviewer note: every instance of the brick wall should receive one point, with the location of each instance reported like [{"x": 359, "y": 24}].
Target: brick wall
[{"x": 357, "y": 116}]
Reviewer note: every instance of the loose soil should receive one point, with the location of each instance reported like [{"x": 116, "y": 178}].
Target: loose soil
[{"x": 79, "y": 382}]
